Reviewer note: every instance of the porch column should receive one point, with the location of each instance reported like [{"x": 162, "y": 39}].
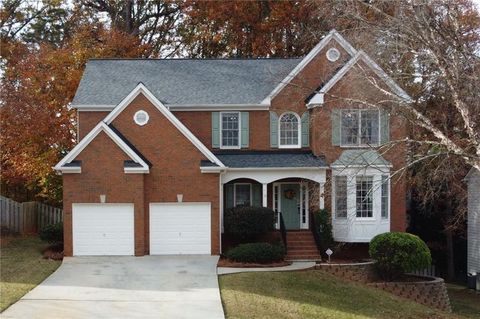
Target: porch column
[
  {"x": 264, "y": 195},
  {"x": 321, "y": 203}
]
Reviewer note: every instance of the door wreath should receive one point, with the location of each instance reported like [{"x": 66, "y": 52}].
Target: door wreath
[{"x": 290, "y": 194}]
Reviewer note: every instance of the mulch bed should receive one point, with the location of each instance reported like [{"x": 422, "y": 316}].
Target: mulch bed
[
  {"x": 54, "y": 252},
  {"x": 223, "y": 262}
]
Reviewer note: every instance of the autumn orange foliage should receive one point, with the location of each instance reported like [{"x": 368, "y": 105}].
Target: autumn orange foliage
[{"x": 37, "y": 127}]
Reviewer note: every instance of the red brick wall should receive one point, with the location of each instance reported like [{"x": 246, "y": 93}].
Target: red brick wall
[
  {"x": 176, "y": 163},
  {"x": 87, "y": 121},
  {"x": 200, "y": 123},
  {"x": 354, "y": 86},
  {"x": 102, "y": 173}
]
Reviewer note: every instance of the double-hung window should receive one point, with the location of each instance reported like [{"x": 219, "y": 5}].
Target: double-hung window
[
  {"x": 360, "y": 127},
  {"x": 289, "y": 130},
  {"x": 230, "y": 129},
  {"x": 243, "y": 194},
  {"x": 364, "y": 196}
]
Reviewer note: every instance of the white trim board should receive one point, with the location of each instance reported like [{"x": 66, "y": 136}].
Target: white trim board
[
  {"x": 182, "y": 107},
  {"x": 141, "y": 89},
  {"x": 318, "y": 99},
  {"x": 333, "y": 34},
  {"x": 101, "y": 127}
]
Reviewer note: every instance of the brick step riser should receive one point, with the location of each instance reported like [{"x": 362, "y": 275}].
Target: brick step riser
[
  {"x": 303, "y": 251},
  {"x": 306, "y": 253},
  {"x": 301, "y": 243}
]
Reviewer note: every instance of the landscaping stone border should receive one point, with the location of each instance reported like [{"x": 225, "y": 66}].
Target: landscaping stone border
[
  {"x": 359, "y": 272},
  {"x": 429, "y": 291}
]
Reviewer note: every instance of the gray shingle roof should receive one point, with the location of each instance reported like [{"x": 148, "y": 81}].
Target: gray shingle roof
[
  {"x": 269, "y": 159},
  {"x": 182, "y": 81},
  {"x": 361, "y": 157}
]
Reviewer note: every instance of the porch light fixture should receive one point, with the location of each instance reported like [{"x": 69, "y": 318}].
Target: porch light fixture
[
  {"x": 103, "y": 198},
  {"x": 180, "y": 198}
]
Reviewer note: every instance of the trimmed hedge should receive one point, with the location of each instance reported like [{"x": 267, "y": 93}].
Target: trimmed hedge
[
  {"x": 398, "y": 253},
  {"x": 323, "y": 229},
  {"x": 52, "y": 233},
  {"x": 257, "y": 253},
  {"x": 246, "y": 223}
]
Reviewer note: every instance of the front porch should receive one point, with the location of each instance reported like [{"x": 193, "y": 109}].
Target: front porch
[{"x": 291, "y": 198}]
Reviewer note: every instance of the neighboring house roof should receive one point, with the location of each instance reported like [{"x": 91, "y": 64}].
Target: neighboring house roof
[
  {"x": 266, "y": 159},
  {"x": 106, "y": 82},
  {"x": 69, "y": 165},
  {"x": 472, "y": 173},
  {"x": 360, "y": 157}
]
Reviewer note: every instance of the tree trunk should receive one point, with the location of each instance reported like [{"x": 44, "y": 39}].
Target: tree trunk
[{"x": 450, "y": 263}]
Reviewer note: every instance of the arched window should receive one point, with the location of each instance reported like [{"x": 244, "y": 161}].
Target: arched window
[{"x": 289, "y": 130}]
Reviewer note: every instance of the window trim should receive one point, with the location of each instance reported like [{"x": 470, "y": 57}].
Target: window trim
[
  {"x": 141, "y": 112},
  {"x": 334, "y": 195},
  {"x": 299, "y": 131},
  {"x": 389, "y": 195},
  {"x": 235, "y": 193},
  {"x": 359, "y": 144},
  {"x": 239, "y": 131}
]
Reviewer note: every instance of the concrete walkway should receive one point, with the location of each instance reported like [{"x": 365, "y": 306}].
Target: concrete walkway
[
  {"x": 126, "y": 287},
  {"x": 296, "y": 265}
]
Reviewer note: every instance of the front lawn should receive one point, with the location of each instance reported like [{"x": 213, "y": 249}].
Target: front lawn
[
  {"x": 22, "y": 268},
  {"x": 312, "y": 294}
]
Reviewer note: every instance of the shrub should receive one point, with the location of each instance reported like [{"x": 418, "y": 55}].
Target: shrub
[
  {"x": 257, "y": 253},
  {"x": 398, "y": 253},
  {"x": 52, "y": 233},
  {"x": 323, "y": 229},
  {"x": 246, "y": 223}
]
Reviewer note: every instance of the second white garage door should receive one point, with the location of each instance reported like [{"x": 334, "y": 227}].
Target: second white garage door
[{"x": 180, "y": 228}]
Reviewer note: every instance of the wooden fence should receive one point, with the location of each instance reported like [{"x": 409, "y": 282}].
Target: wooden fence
[
  {"x": 28, "y": 217},
  {"x": 429, "y": 271}
]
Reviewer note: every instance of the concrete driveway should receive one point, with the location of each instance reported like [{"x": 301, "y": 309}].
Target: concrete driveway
[{"x": 126, "y": 287}]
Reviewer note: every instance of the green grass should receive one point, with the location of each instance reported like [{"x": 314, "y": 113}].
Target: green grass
[
  {"x": 312, "y": 294},
  {"x": 22, "y": 268},
  {"x": 465, "y": 302}
]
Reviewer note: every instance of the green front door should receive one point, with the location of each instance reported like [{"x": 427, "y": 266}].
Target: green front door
[{"x": 290, "y": 205}]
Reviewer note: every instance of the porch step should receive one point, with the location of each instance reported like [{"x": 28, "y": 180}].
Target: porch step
[{"x": 301, "y": 246}]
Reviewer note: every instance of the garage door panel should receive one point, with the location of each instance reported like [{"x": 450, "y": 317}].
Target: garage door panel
[
  {"x": 103, "y": 229},
  {"x": 180, "y": 228}
]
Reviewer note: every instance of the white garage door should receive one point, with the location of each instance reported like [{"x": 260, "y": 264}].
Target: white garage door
[
  {"x": 103, "y": 229},
  {"x": 180, "y": 228}
]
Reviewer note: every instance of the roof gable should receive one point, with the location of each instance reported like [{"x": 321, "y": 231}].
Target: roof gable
[
  {"x": 333, "y": 35},
  {"x": 66, "y": 164},
  {"x": 141, "y": 89},
  {"x": 318, "y": 98}
]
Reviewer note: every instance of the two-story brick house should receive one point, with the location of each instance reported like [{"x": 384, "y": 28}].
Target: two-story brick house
[{"x": 167, "y": 145}]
